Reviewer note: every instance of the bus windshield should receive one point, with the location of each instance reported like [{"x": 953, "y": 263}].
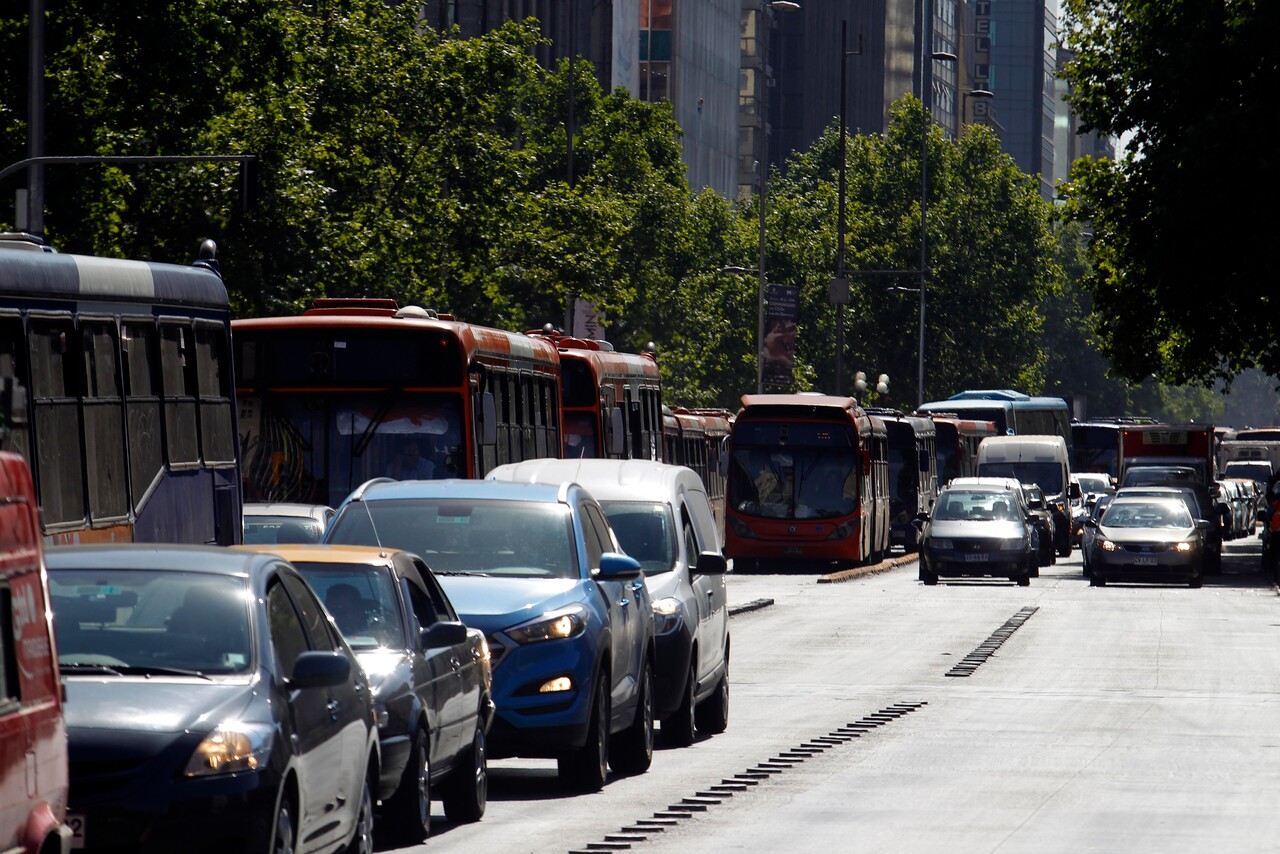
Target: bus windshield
[
  {"x": 580, "y": 435},
  {"x": 317, "y": 448},
  {"x": 793, "y": 483}
]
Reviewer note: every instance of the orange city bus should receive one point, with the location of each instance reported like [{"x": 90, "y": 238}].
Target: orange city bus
[
  {"x": 957, "y": 445},
  {"x": 360, "y": 388},
  {"x": 807, "y": 482},
  {"x": 611, "y": 401}
]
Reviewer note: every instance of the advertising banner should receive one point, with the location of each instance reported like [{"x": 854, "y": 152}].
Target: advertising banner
[{"x": 777, "y": 353}]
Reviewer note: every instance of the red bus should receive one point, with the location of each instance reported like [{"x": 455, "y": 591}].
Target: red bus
[
  {"x": 611, "y": 401},
  {"x": 956, "y": 446},
  {"x": 696, "y": 438},
  {"x": 360, "y": 388},
  {"x": 807, "y": 482}
]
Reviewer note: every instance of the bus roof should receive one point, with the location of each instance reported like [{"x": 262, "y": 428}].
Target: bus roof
[
  {"x": 54, "y": 275},
  {"x": 610, "y": 363},
  {"x": 477, "y": 339}
]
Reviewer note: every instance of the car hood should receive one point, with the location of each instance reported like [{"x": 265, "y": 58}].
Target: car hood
[
  {"x": 491, "y": 604},
  {"x": 153, "y": 705},
  {"x": 1004, "y": 529},
  {"x": 1147, "y": 535}
]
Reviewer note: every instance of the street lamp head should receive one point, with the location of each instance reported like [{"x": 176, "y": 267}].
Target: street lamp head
[
  {"x": 945, "y": 56},
  {"x": 742, "y": 271},
  {"x": 785, "y": 5},
  {"x": 980, "y": 93}
]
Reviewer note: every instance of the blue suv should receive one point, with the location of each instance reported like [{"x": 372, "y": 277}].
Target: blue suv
[{"x": 567, "y": 616}]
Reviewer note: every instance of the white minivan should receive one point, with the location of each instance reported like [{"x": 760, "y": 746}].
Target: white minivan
[
  {"x": 1042, "y": 460},
  {"x": 662, "y": 517}
]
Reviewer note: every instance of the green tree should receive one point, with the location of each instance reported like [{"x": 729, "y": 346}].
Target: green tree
[{"x": 1180, "y": 279}]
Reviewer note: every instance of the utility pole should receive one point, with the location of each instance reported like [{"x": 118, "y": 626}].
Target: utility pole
[{"x": 35, "y": 121}]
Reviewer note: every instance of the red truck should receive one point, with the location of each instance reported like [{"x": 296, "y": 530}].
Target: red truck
[{"x": 33, "y": 737}]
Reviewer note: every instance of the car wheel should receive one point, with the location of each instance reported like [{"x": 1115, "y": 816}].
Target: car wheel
[
  {"x": 408, "y": 811},
  {"x": 712, "y": 714},
  {"x": 467, "y": 792},
  {"x": 1065, "y": 551},
  {"x": 585, "y": 769},
  {"x": 680, "y": 729},
  {"x": 282, "y": 834},
  {"x": 632, "y": 749},
  {"x": 1096, "y": 580},
  {"x": 1196, "y": 581},
  {"x": 362, "y": 842},
  {"x": 927, "y": 577},
  {"x": 1023, "y": 580}
]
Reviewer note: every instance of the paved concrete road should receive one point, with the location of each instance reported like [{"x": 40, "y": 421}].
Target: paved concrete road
[{"x": 1131, "y": 717}]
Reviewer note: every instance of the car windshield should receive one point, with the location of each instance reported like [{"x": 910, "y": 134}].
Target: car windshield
[
  {"x": 362, "y": 600},
  {"x": 644, "y": 530},
  {"x": 977, "y": 506},
  {"x": 1093, "y": 484},
  {"x": 1135, "y": 514},
  {"x": 157, "y": 622},
  {"x": 270, "y": 530},
  {"x": 468, "y": 536}
]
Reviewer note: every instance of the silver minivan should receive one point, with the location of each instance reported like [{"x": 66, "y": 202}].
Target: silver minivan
[{"x": 661, "y": 516}]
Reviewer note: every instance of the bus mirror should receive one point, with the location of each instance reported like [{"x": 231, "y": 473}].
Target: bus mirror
[
  {"x": 617, "y": 432},
  {"x": 488, "y": 420}
]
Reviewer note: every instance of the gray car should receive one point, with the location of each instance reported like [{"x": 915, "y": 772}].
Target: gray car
[
  {"x": 979, "y": 526},
  {"x": 1147, "y": 538}
]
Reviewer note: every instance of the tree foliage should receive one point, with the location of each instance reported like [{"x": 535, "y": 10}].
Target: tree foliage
[{"x": 1180, "y": 280}]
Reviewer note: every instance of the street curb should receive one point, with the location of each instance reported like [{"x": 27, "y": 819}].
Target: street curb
[
  {"x": 746, "y": 607},
  {"x": 860, "y": 571}
]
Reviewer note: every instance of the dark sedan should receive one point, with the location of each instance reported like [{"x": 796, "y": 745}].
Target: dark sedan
[
  {"x": 431, "y": 679},
  {"x": 1147, "y": 539},
  {"x": 211, "y": 704}
]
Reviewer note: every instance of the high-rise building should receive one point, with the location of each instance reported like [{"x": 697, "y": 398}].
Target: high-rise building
[
  {"x": 689, "y": 56},
  {"x": 1069, "y": 144},
  {"x": 1012, "y": 53}
]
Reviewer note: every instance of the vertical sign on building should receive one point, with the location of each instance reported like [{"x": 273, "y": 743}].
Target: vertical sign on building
[
  {"x": 626, "y": 47},
  {"x": 981, "y": 107},
  {"x": 778, "y": 352}
]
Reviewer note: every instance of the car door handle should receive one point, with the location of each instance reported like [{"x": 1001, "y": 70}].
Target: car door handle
[
  {"x": 454, "y": 662},
  {"x": 334, "y": 707}
]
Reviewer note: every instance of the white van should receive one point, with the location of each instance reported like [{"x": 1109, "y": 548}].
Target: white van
[
  {"x": 1041, "y": 460},
  {"x": 662, "y": 517}
]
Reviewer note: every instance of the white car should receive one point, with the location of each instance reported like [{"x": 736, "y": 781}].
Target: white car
[
  {"x": 662, "y": 517},
  {"x": 269, "y": 524}
]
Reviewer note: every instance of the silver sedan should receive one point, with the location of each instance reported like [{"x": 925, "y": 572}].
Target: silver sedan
[{"x": 1147, "y": 539}]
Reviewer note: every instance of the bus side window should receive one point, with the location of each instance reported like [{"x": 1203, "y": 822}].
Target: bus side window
[
  {"x": 104, "y": 422},
  {"x": 142, "y": 406},
  {"x": 55, "y": 387},
  {"x": 213, "y": 384},
  {"x": 13, "y": 360},
  {"x": 181, "y": 425}
]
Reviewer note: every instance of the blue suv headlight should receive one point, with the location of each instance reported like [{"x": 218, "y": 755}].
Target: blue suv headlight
[{"x": 553, "y": 625}]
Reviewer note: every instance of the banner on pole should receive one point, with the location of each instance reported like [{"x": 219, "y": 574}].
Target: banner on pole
[{"x": 778, "y": 351}]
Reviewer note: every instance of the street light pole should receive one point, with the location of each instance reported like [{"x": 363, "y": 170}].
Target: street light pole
[
  {"x": 926, "y": 98},
  {"x": 763, "y": 84},
  {"x": 840, "y": 287}
]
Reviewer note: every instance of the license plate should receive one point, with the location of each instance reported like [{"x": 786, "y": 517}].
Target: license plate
[
  {"x": 1144, "y": 560},
  {"x": 793, "y": 551},
  {"x": 977, "y": 558},
  {"x": 75, "y": 821}
]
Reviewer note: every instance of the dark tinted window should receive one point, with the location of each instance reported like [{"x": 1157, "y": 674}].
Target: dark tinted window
[
  {"x": 385, "y": 357},
  {"x": 287, "y": 636}
]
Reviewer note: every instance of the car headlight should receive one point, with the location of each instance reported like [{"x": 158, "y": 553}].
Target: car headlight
[
  {"x": 553, "y": 625},
  {"x": 1015, "y": 544},
  {"x": 232, "y": 747},
  {"x": 667, "y": 615},
  {"x": 1184, "y": 547},
  {"x": 1108, "y": 546},
  {"x": 741, "y": 528}
]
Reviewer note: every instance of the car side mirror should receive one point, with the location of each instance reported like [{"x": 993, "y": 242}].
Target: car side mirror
[
  {"x": 1074, "y": 491},
  {"x": 1261, "y": 516},
  {"x": 320, "y": 669},
  {"x": 1202, "y": 525},
  {"x": 711, "y": 563},
  {"x": 444, "y": 633},
  {"x": 618, "y": 567},
  {"x": 1091, "y": 523}
]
